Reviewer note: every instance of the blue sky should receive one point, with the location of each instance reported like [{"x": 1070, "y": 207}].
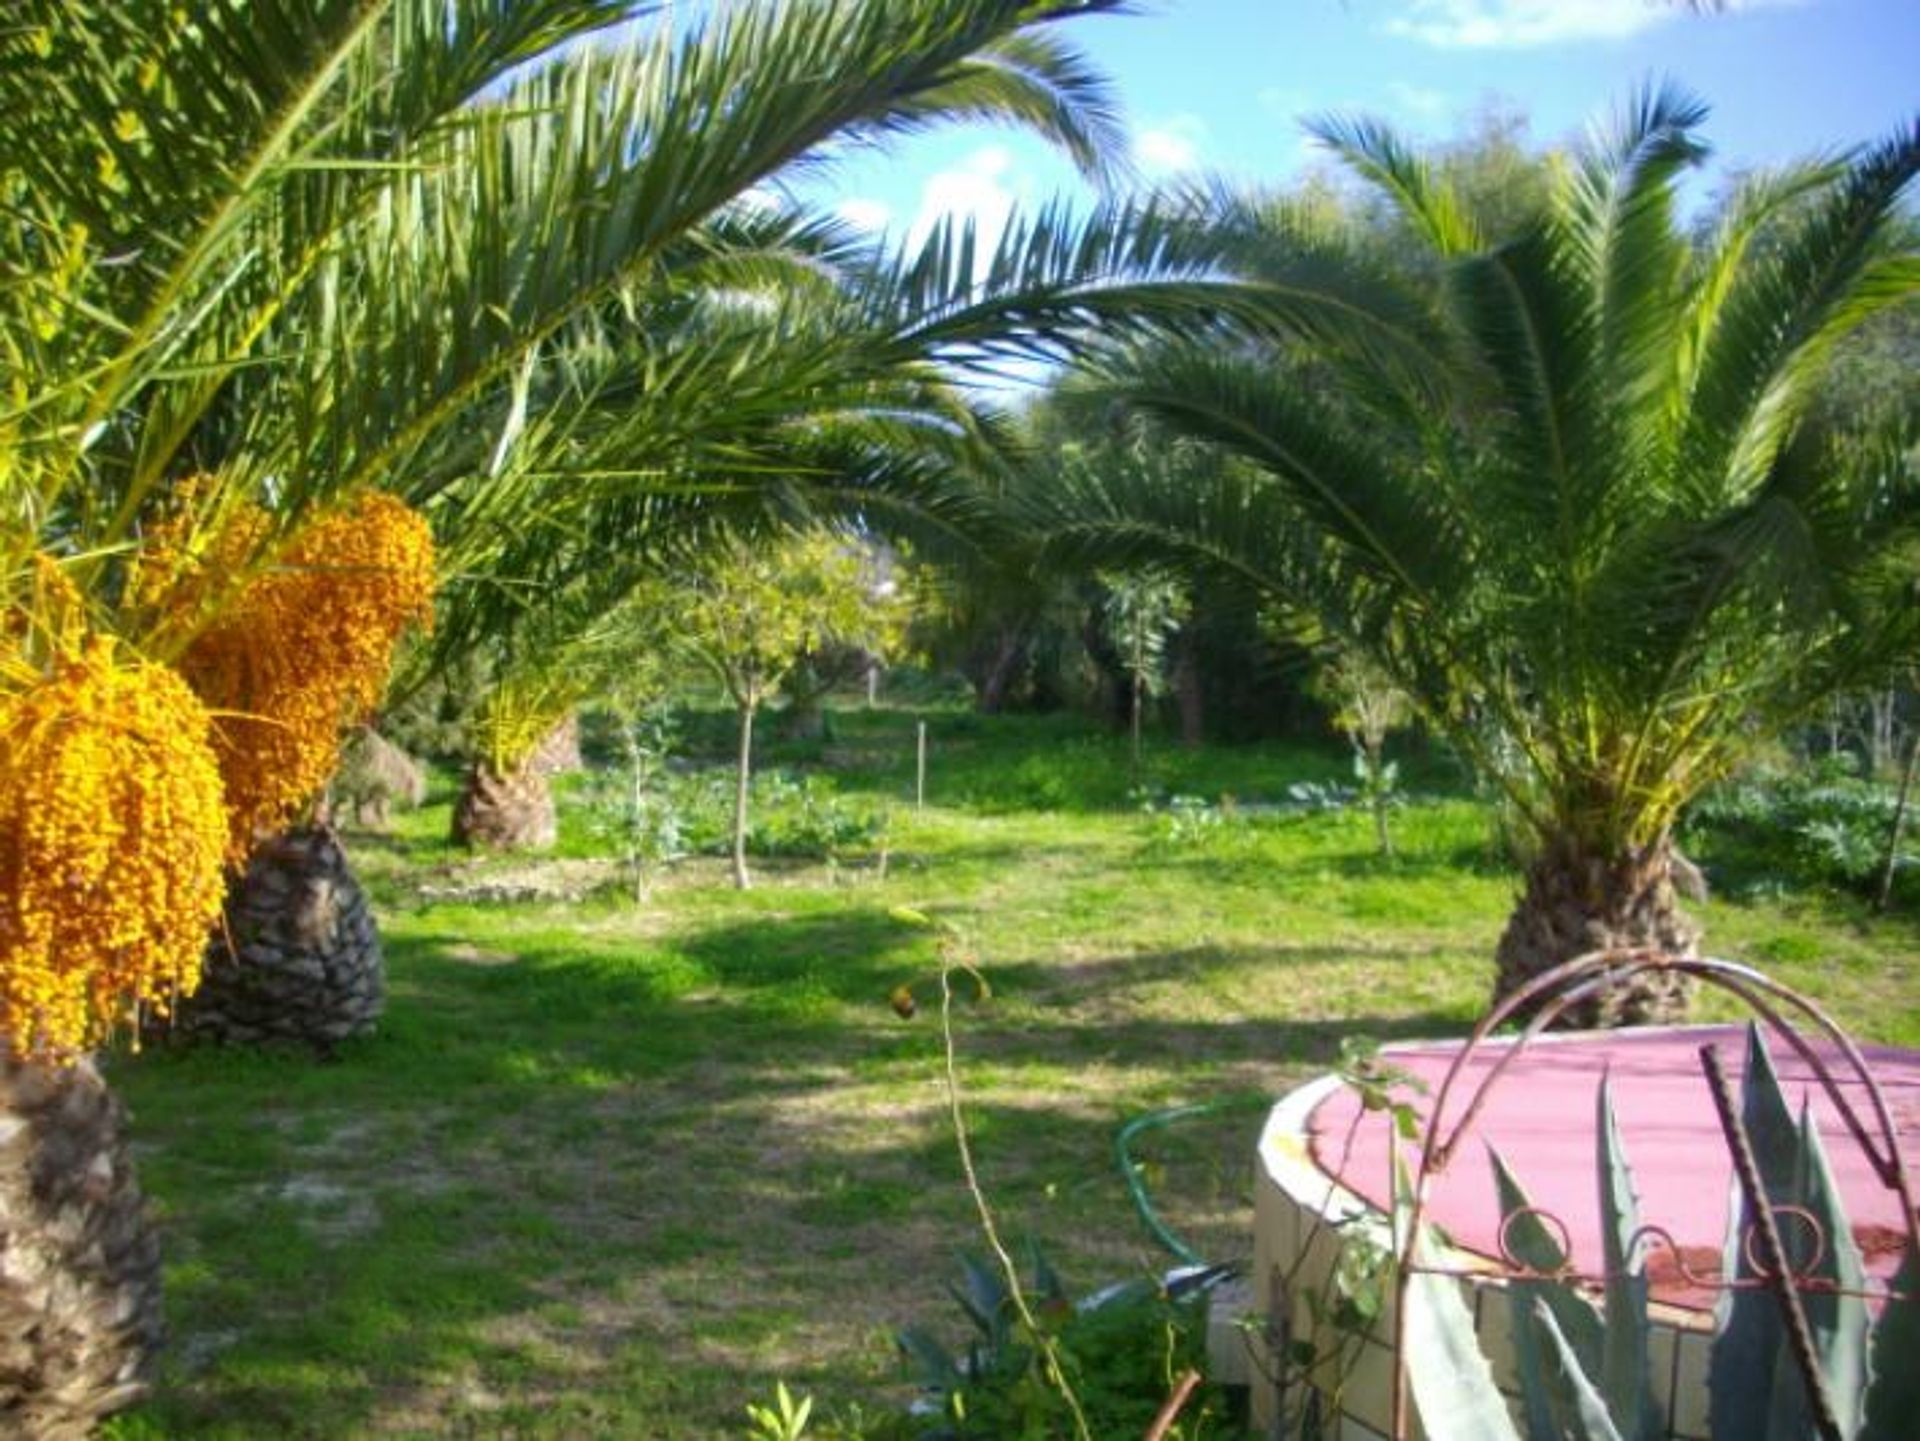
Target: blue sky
[{"x": 1219, "y": 84}]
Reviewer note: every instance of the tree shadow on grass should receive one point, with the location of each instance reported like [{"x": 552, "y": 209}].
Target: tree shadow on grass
[
  {"x": 580, "y": 1185},
  {"x": 1127, "y": 969}
]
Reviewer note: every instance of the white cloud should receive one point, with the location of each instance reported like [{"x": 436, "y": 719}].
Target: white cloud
[
  {"x": 1170, "y": 146},
  {"x": 1418, "y": 100},
  {"x": 980, "y": 190},
  {"x": 1284, "y": 100},
  {"x": 863, "y": 212},
  {"x": 1486, "y": 24}
]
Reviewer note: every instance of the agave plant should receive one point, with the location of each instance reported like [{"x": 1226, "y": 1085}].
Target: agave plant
[
  {"x": 1565, "y": 483},
  {"x": 1584, "y": 1370}
]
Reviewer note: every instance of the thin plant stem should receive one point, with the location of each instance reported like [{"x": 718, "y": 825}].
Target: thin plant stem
[
  {"x": 1049, "y": 1349},
  {"x": 1883, "y": 893}
]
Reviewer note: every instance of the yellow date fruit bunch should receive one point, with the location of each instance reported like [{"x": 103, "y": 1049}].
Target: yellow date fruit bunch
[
  {"x": 301, "y": 649},
  {"x": 112, "y": 838}
]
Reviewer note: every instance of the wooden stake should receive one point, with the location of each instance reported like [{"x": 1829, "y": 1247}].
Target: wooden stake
[{"x": 1175, "y": 1403}]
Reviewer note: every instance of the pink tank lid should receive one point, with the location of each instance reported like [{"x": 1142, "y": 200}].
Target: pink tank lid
[{"x": 1541, "y": 1117}]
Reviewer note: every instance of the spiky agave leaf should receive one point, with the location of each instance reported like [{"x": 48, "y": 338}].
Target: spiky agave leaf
[{"x": 1579, "y": 1331}]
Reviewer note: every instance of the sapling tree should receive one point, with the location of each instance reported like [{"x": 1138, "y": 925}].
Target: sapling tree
[
  {"x": 1142, "y": 611},
  {"x": 1368, "y": 705},
  {"x": 634, "y": 696},
  {"x": 754, "y": 610}
]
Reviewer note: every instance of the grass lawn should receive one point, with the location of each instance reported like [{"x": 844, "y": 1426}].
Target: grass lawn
[{"x": 610, "y": 1170}]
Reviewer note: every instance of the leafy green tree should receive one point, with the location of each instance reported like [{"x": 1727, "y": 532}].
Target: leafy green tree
[
  {"x": 752, "y": 611},
  {"x": 1568, "y": 483}
]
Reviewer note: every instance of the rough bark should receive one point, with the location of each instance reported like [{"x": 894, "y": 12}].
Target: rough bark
[
  {"x": 375, "y": 774},
  {"x": 994, "y": 668},
  {"x": 505, "y": 811},
  {"x": 804, "y": 719},
  {"x": 79, "y": 1260},
  {"x": 807, "y": 686},
  {"x": 1576, "y": 903},
  {"x": 298, "y": 956}
]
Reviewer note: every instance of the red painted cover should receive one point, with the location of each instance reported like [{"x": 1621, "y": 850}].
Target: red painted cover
[{"x": 1541, "y": 1116}]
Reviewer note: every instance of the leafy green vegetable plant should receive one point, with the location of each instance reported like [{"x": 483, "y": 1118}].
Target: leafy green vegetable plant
[{"x": 1123, "y": 1348}]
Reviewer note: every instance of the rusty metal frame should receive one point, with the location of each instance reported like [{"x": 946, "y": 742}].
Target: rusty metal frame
[{"x": 1543, "y": 1001}]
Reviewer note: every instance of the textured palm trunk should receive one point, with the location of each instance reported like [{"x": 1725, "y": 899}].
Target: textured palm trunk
[
  {"x": 506, "y": 810},
  {"x": 374, "y": 775},
  {"x": 79, "y": 1260},
  {"x": 1576, "y": 903},
  {"x": 804, "y": 719},
  {"x": 994, "y": 669},
  {"x": 298, "y": 956}
]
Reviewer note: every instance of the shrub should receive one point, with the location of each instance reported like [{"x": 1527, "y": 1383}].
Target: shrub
[
  {"x": 1821, "y": 824},
  {"x": 1122, "y": 1350}
]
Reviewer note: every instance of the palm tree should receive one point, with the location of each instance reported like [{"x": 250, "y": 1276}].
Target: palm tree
[
  {"x": 263, "y": 257},
  {"x": 777, "y": 373},
  {"x": 1565, "y": 484}
]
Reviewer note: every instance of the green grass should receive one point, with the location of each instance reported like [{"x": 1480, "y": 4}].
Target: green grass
[{"x": 610, "y": 1170}]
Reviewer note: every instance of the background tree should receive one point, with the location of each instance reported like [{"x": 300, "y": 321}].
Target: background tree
[
  {"x": 1568, "y": 484},
  {"x": 752, "y": 611},
  {"x": 1142, "y": 610},
  {"x": 1368, "y": 705}
]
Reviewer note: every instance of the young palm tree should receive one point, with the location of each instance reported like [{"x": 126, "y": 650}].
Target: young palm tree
[
  {"x": 1564, "y": 484},
  {"x": 777, "y": 373}
]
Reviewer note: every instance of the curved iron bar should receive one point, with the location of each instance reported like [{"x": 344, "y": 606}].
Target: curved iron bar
[
  {"x": 1800, "y": 1276},
  {"x": 1653, "y": 1239},
  {"x": 1546, "y": 998},
  {"x": 1520, "y": 1269}
]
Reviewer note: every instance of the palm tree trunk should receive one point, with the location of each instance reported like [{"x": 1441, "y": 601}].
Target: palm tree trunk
[
  {"x": 994, "y": 671},
  {"x": 504, "y": 811},
  {"x": 80, "y": 1290},
  {"x": 297, "y": 957},
  {"x": 1576, "y": 903},
  {"x": 740, "y": 878}
]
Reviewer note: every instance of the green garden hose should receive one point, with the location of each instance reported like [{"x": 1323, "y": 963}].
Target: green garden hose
[{"x": 1130, "y": 1169}]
